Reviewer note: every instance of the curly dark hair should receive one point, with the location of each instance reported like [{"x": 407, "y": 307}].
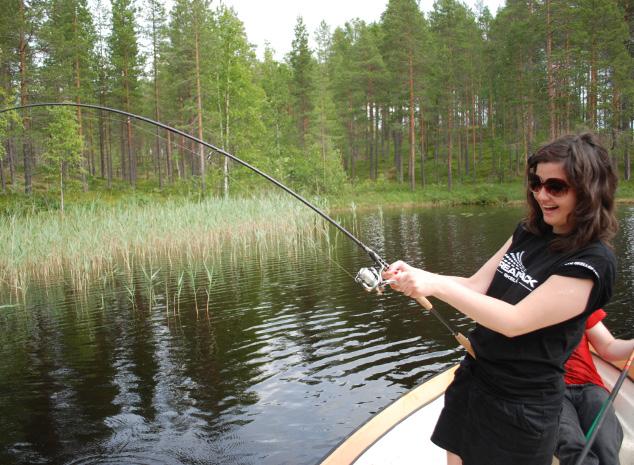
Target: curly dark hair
[{"x": 590, "y": 172}]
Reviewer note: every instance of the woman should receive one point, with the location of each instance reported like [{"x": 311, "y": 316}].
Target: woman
[{"x": 530, "y": 301}]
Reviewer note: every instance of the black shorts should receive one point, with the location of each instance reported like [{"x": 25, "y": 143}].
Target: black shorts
[{"x": 486, "y": 430}]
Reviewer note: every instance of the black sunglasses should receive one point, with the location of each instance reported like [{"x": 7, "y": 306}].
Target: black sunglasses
[{"x": 554, "y": 186}]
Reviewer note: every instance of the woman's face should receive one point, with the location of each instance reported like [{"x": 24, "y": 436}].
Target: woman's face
[{"x": 557, "y": 207}]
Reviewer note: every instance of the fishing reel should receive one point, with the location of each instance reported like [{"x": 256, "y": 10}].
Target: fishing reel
[{"x": 372, "y": 280}]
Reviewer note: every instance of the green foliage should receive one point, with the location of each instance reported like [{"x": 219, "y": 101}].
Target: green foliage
[
  {"x": 63, "y": 154},
  {"x": 302, "y": 84},
  {"x": 64, "y": 146},
  {"x": 69, "y": 36},
  {"x": 8, "y": 120},
  {"x": 125, "y": 58},
  {"x": 465, "y": 94},
  {"x": 317, "y": 172}
]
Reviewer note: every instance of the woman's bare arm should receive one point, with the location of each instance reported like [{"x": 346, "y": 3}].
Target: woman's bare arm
[
  {"x": 607, "y": 346},
  {"x": 558, "y": 299}
]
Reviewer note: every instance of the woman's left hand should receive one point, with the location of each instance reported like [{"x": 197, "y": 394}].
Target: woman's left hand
[{"x": 413, "y": 282}]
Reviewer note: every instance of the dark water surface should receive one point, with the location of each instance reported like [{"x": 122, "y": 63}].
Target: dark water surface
[{"x": 287, "y": 359}]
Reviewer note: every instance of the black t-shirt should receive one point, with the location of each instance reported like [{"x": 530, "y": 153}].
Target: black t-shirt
[{"x": 530, "y": 367}]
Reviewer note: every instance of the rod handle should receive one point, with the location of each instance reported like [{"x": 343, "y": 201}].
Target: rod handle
[
  {"x": 425, "y": 303},
  {"x": 461, "y": 338},
  {"x": 466, "y": 343}
]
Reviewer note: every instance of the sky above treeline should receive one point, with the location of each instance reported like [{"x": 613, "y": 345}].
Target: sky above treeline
[{"x": 273, "y": 21}]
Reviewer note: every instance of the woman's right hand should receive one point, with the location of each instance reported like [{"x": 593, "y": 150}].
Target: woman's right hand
[{"x": 411, "y": 281}]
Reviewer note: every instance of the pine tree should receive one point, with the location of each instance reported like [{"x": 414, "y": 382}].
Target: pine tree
[
  {"x": 371, "y": 73},
  {"x": 191, "y": 53},
  {"x": 126, "y": 65},
  {"x": 102, "y": 72},
  {"x": 275, "y": 79},
  {"x": 302, "y": 63},
  {"x": 27, "y": 25},
  {"x": 240, "y": 99},
  {"x": 157, "y": 33},
  {"x": 456, "y": 40},
  {"x": 63, "y": 154},
  {"x": 68, "y": 36},
  {"x": 345, "y": 79},
  {"x": 403, "y": 52}
]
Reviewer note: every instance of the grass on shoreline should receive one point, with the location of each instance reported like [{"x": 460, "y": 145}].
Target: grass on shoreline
[{"x": 365, "y": 194}]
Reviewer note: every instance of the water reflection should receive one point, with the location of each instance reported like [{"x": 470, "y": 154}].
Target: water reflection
[{"x": 273, "y": 361}]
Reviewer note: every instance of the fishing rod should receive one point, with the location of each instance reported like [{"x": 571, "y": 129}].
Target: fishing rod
[
  {"x": 369, "y": 277},
  {"x": 598, "y": 421},
  {"x": 369, "y": 251}
]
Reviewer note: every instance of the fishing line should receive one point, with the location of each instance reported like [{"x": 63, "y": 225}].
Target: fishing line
[{"x": 370, "y": 277}]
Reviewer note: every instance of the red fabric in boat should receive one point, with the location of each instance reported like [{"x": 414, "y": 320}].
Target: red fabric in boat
[{"x": 580, "y": 368}]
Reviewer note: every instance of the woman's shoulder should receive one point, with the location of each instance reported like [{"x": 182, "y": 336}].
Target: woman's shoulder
[
  {"x": 596, "y": 257},
  {"x": 598, "y": 248}
]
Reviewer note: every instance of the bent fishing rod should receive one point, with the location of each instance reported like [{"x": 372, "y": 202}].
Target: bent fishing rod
[{"x": 370, "y": 277}]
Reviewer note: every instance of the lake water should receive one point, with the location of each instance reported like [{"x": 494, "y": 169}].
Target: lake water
[{"x": 275, "y": 362}]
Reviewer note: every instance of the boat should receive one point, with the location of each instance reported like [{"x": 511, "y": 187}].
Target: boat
[{"x": 399, "y": 434}]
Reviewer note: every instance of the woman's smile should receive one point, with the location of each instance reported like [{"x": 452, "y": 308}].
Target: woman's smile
[{"x": 557, "y": 208}]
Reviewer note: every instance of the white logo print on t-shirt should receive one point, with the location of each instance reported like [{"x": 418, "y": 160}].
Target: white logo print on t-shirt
[{"x": 514, "y": 270}]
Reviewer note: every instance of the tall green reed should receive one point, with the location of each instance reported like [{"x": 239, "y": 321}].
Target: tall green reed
[{"x": 89, "y": 242}]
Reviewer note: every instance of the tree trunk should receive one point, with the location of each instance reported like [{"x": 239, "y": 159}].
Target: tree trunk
[
  {"x": 11, "y": 160},
  {"x": 108, "y": 149},
  {"x": 3, "y": 183},
  {"x": 626, "y": 157},
  {"x": 227, "y": 165},
  {"x": 80, "y": 128},
  {"x": 372, "y": 127},
  {"x": 61, "y": 190},
  {"x": 128, "y": 127},
  {"x": 353, "y": 149},
  {"x": 449, "y": 145},
  {"x": 157, "y": 111},
  {"x": 90, "y": 149},
  {"x": 592, "y": 91},
  {"x": 124, "y": 157},
  {"x": 199, "y": 111},
  {"x": 180, "y": 164},
  {"x": 26, "y": 121},
  {"x": 412, "y": 126},
  {"x": 436, "y": 150},
  {"x": 131, "y": 154},
  {"x": 566, "y": 85},
  {"x": 398, "y": 159},
  {"x": 549, "y": 73},
  {"x": 423, "y": 149},
  {"x": 474, "y": 124},
  {"x": 157, "y": 143},
  {"x": 168, "y": 158},
  {"x": 102, "y": 154}
]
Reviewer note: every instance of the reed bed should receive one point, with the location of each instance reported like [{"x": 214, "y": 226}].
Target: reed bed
[{"x": 91, "y": 242}]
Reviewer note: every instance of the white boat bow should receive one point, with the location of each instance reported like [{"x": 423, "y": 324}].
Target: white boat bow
[{"x": 399, "y": 434}]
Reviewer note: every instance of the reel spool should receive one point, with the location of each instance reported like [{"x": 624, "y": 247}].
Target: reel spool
[{"x": 371, "y": 280}]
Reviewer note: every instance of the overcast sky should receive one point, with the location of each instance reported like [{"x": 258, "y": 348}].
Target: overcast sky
[{"x": 274, "y": 20}]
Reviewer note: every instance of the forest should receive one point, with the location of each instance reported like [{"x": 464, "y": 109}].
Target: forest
[{"x": 449, "y": 97}]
